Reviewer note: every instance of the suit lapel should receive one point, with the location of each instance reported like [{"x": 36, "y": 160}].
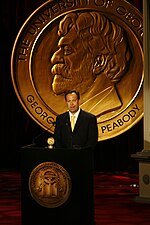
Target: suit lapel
[
  {"x": 67, "y": 122},
  {"x": 79, "y": 120}
]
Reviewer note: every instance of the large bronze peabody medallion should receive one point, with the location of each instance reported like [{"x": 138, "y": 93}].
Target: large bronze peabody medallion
[
  {"x": 93, "y": 46},
  {"x": 50, "y": 184}
]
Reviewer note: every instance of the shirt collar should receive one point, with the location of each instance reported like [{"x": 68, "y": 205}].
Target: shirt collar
[{"x": 75, "y": 114}]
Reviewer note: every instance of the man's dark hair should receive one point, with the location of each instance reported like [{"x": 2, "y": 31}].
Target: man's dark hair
[{"x": 72, "y": 91}]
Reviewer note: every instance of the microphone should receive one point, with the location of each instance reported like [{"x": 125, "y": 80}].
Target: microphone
[
  {"x": 41, "y": 138},
  {"x": 36, "y": 138}
]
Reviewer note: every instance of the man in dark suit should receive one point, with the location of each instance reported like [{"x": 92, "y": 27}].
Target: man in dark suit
[{"x": 85, "y": 131}]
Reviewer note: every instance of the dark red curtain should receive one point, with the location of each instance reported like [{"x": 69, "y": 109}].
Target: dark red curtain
[{"x": 18, "y": 129}]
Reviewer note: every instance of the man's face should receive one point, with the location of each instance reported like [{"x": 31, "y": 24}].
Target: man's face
[
  {"x": 72, "y": 65},
  {"x": 72, "y": 102}
]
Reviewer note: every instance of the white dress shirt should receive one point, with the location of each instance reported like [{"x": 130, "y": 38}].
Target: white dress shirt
[{"x": 75, "y": 115}]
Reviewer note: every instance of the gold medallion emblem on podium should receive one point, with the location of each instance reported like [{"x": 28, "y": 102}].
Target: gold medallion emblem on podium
[{"x": 50, "y": 184}]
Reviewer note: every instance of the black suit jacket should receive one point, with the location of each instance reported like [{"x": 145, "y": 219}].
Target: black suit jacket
[{"x": 85, "y": 133}]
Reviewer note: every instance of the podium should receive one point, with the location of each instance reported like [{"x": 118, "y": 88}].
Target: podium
[{"x": 43, "y": 199}]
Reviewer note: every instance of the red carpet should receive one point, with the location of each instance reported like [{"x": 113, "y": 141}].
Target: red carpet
[
  {"x": 114, "y": 195},
  {"x": 114, "y": 200},
  {"x": 10, "y": 205}
]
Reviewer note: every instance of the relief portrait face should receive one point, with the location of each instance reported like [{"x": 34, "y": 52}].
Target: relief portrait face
[
  {"x": 72, "y": 65},
  {"x": 86, "y": 51}
]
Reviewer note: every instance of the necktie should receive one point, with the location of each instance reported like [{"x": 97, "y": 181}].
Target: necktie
[{"x": 72, "y": 122}]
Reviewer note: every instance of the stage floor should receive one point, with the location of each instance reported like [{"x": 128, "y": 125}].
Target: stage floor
[{"x": 114, "y": 199}]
